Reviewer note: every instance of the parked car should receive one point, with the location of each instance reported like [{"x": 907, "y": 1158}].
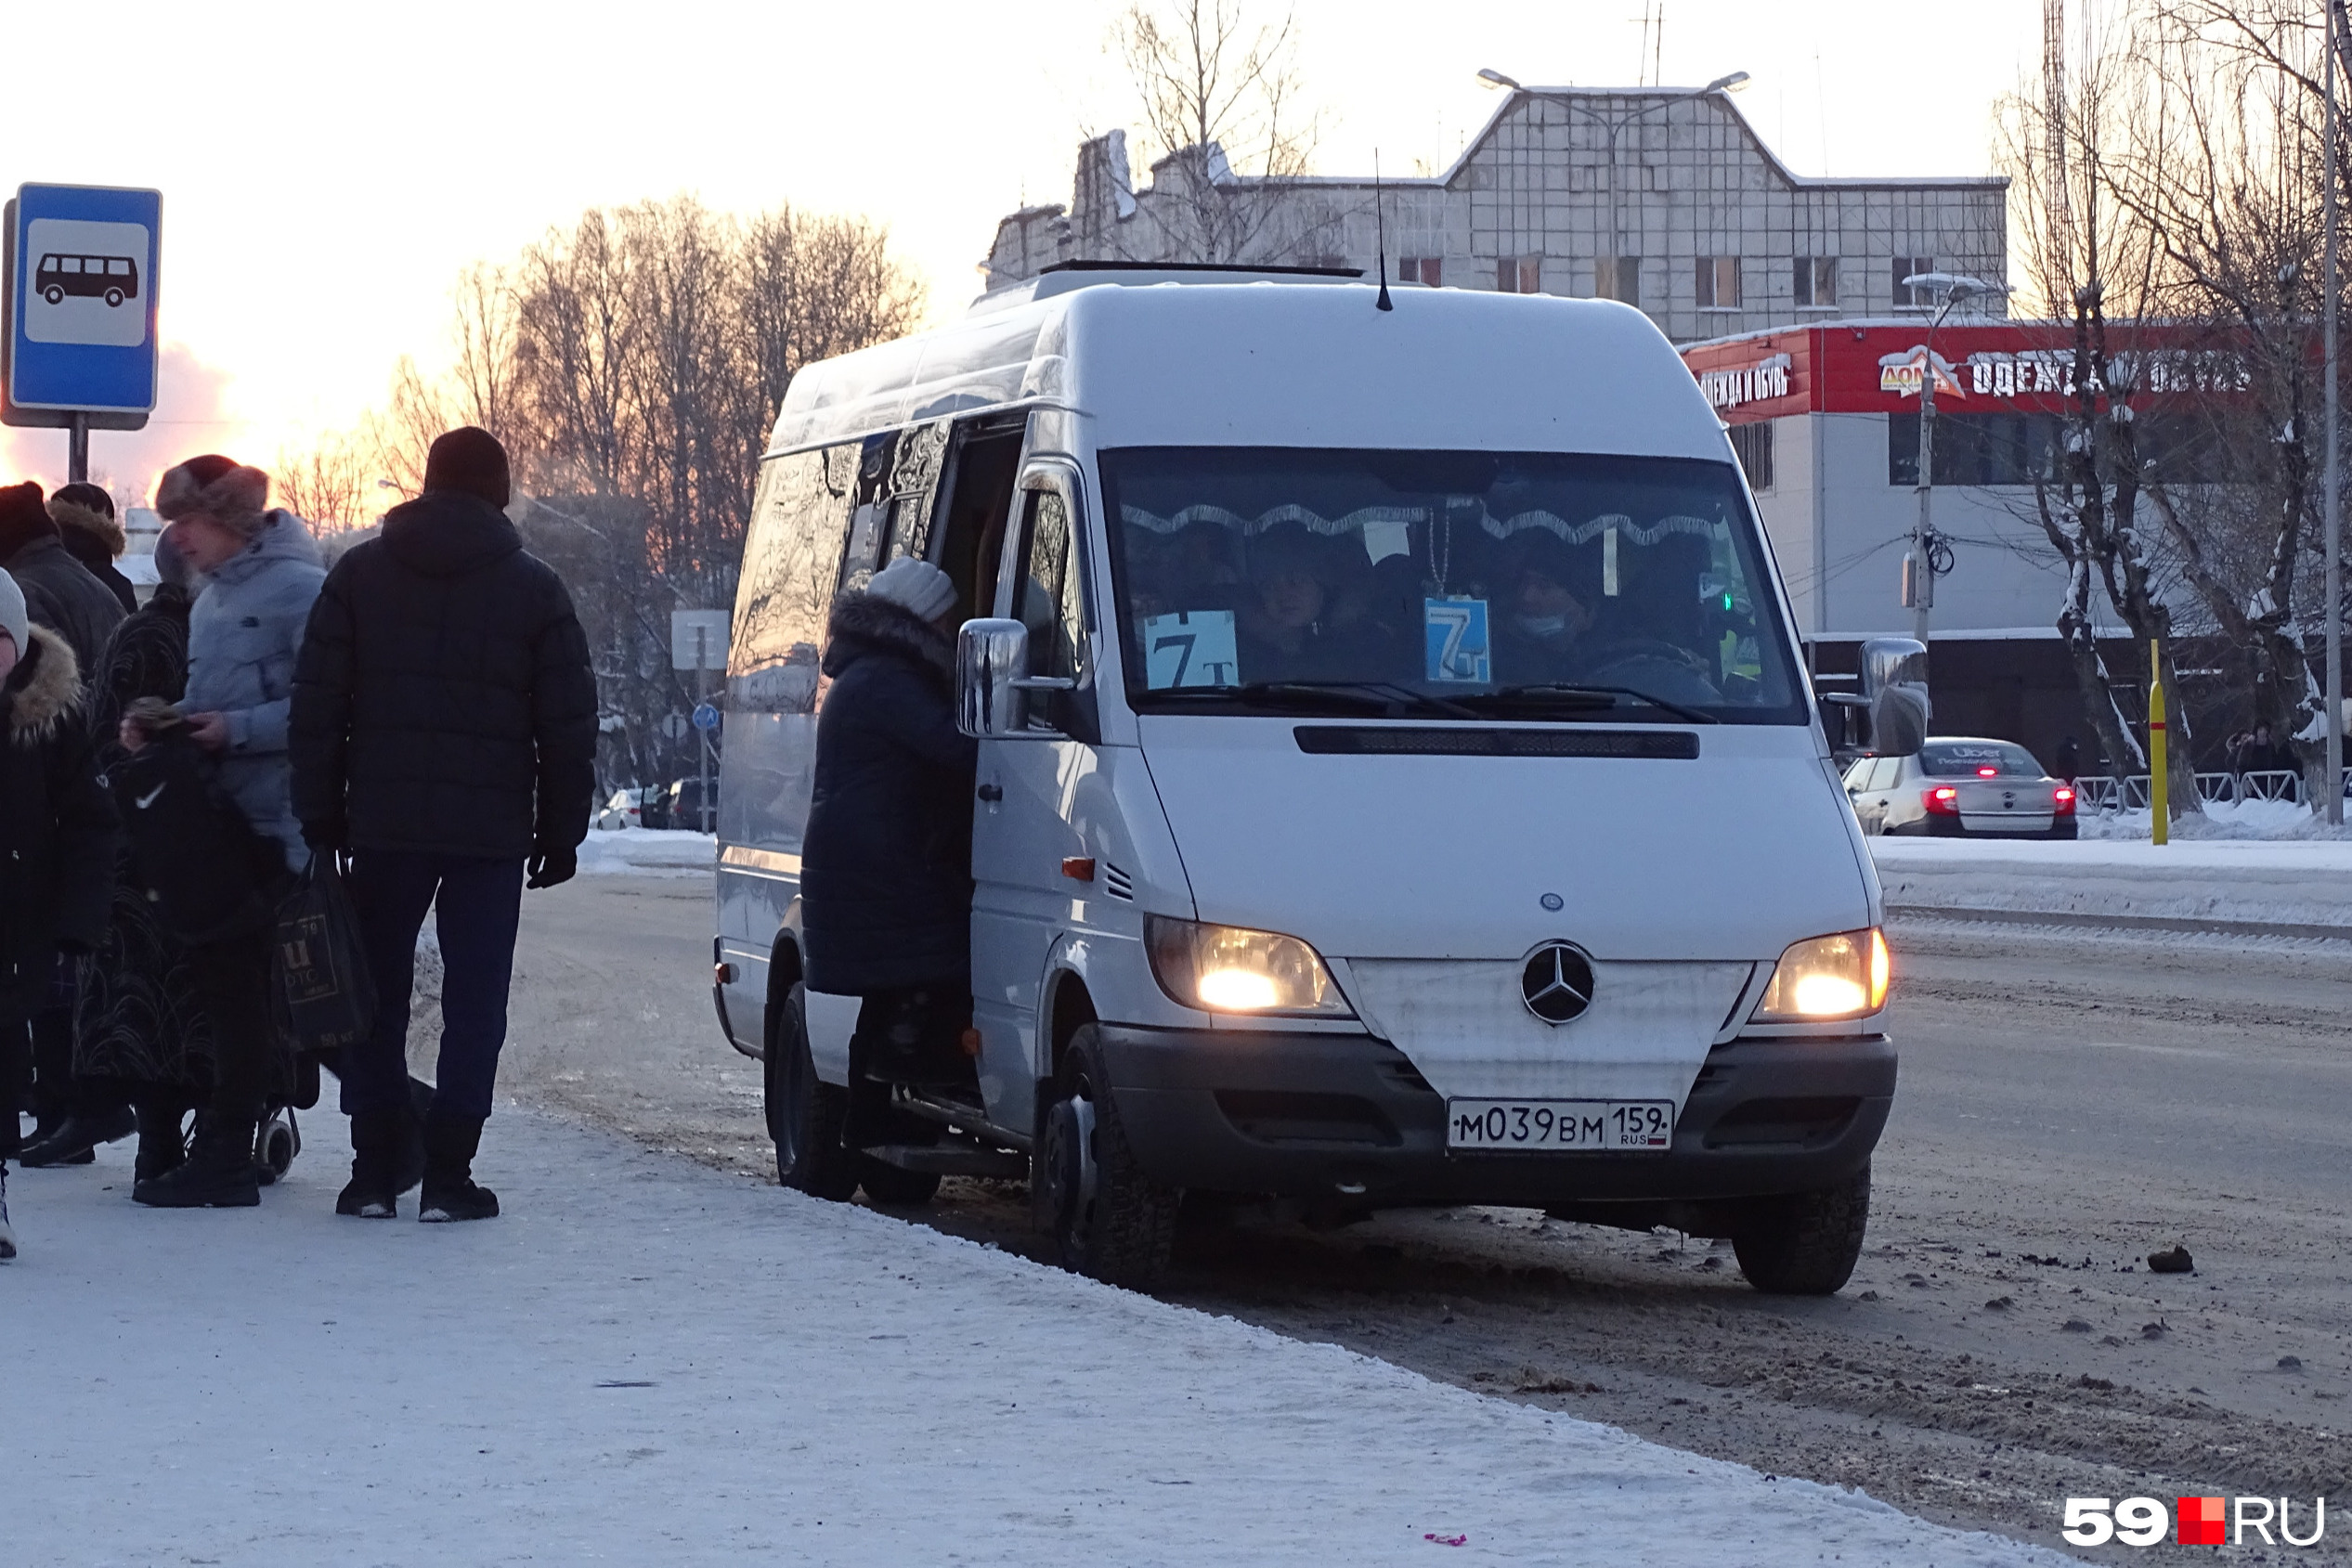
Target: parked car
[
  {"x": 1439, "y": 910},
  {"x": 626, "y": 808},
  {"x": 678, "y": 805},
  {"x": 1960, "y": 786}
]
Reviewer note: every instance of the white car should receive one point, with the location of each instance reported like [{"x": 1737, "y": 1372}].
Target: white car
[
  {"x": 1961, "y": 786},
  {"x": 626, "y": 808}
]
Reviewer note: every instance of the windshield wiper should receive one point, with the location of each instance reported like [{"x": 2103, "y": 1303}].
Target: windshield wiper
[
  {"x": 1575, "y": 689},
  {"x": 1368, "y": 694}
]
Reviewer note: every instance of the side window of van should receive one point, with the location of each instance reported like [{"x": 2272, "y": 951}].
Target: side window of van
[
  {"x": 1051, "y": 596},
  {"x": 1883, "y": 775},
  {"x": 791, "y": 570}
]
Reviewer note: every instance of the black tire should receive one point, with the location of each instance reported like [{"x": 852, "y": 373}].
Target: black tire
[
  {"x": 1805, "y": 1244},
  {"x": 804, "y": 1112},
  {"x": 1125, "y": 1234}
]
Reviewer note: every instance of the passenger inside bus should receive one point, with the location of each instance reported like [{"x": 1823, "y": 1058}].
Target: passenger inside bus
[{"x": 1287, "y": 626}]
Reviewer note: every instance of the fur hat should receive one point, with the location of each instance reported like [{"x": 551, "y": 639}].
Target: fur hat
[
  {"x": 915, "y": 586},
  {"x": 471, "y": 461},
  {"x": 13, "y": 619},
  {"x": 216, "y": 487}
]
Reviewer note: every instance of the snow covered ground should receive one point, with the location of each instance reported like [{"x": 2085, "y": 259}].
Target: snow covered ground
[
  {"x": 637, "y": 852},
  {"x": 2294, "y": 882},
  {"x": 647, "y": 1361}
]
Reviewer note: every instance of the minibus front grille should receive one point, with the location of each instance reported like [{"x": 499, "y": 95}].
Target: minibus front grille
[{"x": 1356, "y": 740}]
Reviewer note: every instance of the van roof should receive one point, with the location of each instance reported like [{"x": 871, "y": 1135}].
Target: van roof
[{"x": 1266, "y": 363}]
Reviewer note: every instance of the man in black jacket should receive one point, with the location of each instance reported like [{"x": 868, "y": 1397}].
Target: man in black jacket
[{"x": 443, "y": 731}]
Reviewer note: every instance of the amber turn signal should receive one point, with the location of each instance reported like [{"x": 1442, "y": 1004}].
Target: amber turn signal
[{"x": 1079, "y": 868}]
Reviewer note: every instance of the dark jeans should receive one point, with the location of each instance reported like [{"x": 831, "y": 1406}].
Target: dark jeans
[
  {"x": 477, "y": 905},
  {"x": 232, "y": 980}
]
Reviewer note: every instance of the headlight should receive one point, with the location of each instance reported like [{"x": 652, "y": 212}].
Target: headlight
[
  {"x": 1842, "y": 977},
  {"x": 1227, "y": 969}
]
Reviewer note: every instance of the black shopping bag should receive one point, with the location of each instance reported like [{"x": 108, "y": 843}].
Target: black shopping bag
[{"x": 321, "y": 969}]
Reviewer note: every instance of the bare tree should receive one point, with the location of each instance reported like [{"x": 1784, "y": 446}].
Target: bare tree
[
  {"x": 332, "y": 487},
  {"x": 1226, "y": 129}
]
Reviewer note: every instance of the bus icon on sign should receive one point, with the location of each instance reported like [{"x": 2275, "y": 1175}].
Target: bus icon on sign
[{"x": 111, "y": 278}]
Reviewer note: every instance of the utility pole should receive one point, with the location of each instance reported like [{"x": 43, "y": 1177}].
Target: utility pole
[
  {"x": 2332, "y": 782},
  {"x": 1921, "y": 586}
]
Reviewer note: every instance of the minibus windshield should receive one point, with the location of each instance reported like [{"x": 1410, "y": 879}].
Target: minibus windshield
[{"x": 1443, "y": 585}]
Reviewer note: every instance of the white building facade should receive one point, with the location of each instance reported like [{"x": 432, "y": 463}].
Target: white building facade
[{"x": 1664, "y": 198}]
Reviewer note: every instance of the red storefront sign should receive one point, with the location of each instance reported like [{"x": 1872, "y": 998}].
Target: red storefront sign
[{"x": 1877, "y": 368}]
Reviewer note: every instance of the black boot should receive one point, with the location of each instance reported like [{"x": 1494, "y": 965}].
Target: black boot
[
  {"x": 76, "y": 1139},
  {"x": 217, "y": 1174},
  {"x": 450, "y": 1190},
  {"x": 161, "y": 1143},
  {"x": 378, "y": 1139}
]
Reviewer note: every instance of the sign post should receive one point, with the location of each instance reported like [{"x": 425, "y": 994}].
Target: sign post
[
  {"x": 699, "y": 642},
  {"x": 79, "y": 352}
]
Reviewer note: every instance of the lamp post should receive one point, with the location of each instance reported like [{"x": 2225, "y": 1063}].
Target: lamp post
[
  {"x": 1615, "y": 125},
  {"x": 1920, "y": 588},
  {"x": 2332, "y": 520}
]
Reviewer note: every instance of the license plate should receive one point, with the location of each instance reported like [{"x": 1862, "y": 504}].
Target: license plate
[{"x": 1560, "y": 1126}]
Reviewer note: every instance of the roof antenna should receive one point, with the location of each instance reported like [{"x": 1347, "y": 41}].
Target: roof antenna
[{"x": 1379, "y": 228}]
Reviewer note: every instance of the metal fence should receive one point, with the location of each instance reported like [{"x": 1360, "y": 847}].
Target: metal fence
[{"x": 2104, "y": 792}]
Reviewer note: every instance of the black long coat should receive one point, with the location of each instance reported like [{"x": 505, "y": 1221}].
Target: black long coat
[
  {"x": 57, "y": 828},
  {"x": 443, "y": 701},
  {"x": 886, "y": 871}
]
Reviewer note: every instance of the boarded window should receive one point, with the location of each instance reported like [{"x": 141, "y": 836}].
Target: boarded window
[
  {"x": 1816, "y": 281},
  {"x": 1717, "y": 283}
]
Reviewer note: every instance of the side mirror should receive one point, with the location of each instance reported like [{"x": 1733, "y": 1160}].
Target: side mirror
[
  {"x": 1894, "y": 685},
  {"x": 993, "y": 682}
]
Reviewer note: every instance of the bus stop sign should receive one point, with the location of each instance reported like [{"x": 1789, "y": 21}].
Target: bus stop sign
[{"x": 81, "y": 263}]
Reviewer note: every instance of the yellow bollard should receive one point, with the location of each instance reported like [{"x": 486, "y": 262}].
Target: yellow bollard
[{"x": 2159, "y": 769}]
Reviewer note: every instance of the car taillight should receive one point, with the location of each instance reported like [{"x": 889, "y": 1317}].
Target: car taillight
[
  {"x": 1988, "y": 772},
  {"x": 2062, "y": 801},
  {"x": 1943, "y": 800}
]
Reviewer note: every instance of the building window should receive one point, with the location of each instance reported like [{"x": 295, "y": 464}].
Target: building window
[
  {"x": 1816, "y": 281},
  {"x": 1428, "y": 271},
  {"x": 1519, "y": 274},
  {"x": 1718, "y": 282},
  {"x": 1752, "y": 443},
  {"x": 1911, "y": 267},
  {"x": 1618, "y": 278}
]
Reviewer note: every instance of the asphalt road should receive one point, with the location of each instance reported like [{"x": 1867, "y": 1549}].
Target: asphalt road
[{"x": 2071, "y": 1101}]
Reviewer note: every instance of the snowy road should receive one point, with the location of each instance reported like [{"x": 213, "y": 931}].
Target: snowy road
[
  {"x": 648, "y": 1361},
  {"x": 2067, "y": 1096}
]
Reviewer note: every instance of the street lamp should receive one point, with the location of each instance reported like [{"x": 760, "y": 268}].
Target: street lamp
[
  {"x": 1729, "y": 82},
  {"x": 1920, "y": 589}
]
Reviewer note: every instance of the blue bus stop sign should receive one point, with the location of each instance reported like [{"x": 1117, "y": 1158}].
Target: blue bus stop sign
[{"x": 82, "y": 279}]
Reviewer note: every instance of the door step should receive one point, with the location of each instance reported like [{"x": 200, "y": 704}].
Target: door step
[{"x": 947, "y": 1160}]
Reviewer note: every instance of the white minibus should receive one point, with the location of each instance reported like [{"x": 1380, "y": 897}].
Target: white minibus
[{"x": 1399, "y": 780}]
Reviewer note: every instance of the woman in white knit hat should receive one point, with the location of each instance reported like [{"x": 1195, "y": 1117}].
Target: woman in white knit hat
[{"x": 886, "y": 878}]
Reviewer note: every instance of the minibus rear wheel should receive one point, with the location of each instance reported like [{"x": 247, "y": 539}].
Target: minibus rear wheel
[
  {"x": 1108, "y": 1220},
  {"x": 1806, "y": 1243},
  {"x": 804, "y": 1112}
]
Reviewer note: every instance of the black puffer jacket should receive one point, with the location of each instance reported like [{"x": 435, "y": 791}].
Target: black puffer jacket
[
  {"x": 56, "y": 830},
  {"x": 886, "y": 872},
  {"x": 443, "y": 701},
  {"x": 59, "y": 593}
]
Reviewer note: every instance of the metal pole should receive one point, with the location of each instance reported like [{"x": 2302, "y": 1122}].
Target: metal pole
[
  {"x": 702, "y": 696},
  {"x": 77, "y": 451},
  {"x": 1923, "y": 534},
  {"x": 2160, "y": 815},
  {"x": 2331, "y": 783}
]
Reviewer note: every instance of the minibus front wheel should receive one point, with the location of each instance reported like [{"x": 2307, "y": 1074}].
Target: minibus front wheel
[
  {"x": 1107, "y": 1218},
  {"x": 1805, "y": 1243}
]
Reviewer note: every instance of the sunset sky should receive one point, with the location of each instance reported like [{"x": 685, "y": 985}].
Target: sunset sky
[{"x": 328, "y": 169}]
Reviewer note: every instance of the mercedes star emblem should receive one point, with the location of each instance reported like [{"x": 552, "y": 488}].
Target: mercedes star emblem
[{"x": 1556, "y": 984}]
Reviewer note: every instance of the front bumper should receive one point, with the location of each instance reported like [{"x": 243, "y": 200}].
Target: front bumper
[{"x": 1346, "y": 1118}]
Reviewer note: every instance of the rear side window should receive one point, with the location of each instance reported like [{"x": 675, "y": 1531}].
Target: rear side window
[
  {"x": 791, "y": 569},
  {"x": 1885, "y": 771},
  {"x": 1978, "y": 760}
]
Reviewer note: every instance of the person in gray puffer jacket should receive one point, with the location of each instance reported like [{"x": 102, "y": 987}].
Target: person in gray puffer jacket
[
  {"x": 262, "y": 573},
  {"x": 243, "y": 634}
]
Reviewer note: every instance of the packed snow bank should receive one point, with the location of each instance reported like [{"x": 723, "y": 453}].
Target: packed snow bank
[
  {"x": 2227, "y": 882},
  {"x": 2245, "y": 818},
  {"x": 636, "y": 851},
  {"x": 650, "y": 1362}
]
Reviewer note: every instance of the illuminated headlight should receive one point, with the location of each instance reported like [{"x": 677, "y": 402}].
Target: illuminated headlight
[
  {"x": 1227, "y": 969},
  {"x": 1842, "y": 977}
]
